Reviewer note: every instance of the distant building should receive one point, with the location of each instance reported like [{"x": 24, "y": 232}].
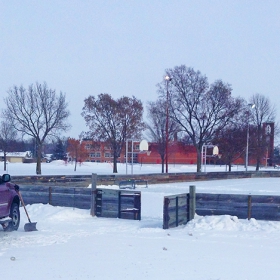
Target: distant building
[
  {"x": 15, "y": 157},
  {"x": 178, "y": 153}
]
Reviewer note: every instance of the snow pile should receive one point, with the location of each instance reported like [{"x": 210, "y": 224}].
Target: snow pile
[{"x": 230, "y": 223}]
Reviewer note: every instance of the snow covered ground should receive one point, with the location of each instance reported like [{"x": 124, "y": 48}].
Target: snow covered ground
[
  {"x": 62, "y": 168},
  {"x": 70, "y": 244}
]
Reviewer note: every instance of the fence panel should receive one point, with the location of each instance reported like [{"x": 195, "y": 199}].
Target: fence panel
[
  {"x": 175, "y": 210},
  {"x": 266, "y": 207},
  {"x": 35, "y": 194},
  {"x": 57, "y": 196},
  {"x": 130, "y": 205},
  {"x": 118, "y": 204},
  {"x": 107, "y": 203},
  {"x": 222, "y": 204}
]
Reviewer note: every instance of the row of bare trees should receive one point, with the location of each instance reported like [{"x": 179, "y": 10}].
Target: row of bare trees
[
  {"x": 199, "y": 112},
  {"x": 207, "y": 114}
]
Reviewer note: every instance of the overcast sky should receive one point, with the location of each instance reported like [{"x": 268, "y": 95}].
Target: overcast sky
[{"x": 122, "y": 48}]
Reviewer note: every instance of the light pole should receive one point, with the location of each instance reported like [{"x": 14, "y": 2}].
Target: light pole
[
  {"x": 167, "y": 79},
  {"x": 251, "y": 106}
]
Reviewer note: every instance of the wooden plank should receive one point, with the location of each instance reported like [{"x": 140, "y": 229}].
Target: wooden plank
[
  {"x": 108, "y": 214},
  {"x": 172, "y": 202},
  {"x": 33, "y": 189},
  {"x": 182, "y": 201}
]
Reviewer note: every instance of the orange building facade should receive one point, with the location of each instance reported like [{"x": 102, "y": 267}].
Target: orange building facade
[{"x": 178, "y": 153}]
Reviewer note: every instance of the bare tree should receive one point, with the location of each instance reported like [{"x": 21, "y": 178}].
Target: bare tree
[
  {"x": 76, "y": 149},
  {"x": 199, "y": 108},
  {"x": 113, "y": 121},
  {"x": 231, "y": 139},
  {"x": 263, "y": 111},
  {"x": 156, "y": 126},
  {"x": 7, "y": 135},
  {"x": 37, "y": 112}
]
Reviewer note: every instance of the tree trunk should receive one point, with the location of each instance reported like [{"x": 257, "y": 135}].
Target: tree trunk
[
  {"x": 259, "y": 149},
  {"x": 76, "y": 158},
  {"x": 39, "y": 159},
  {"x": 198, "y": 165},
  {"x": 5, "y": 160},
  {"x": 258, "y": 166},
  {"x": 259, "y": 153},
  {"x": 115, "y": 169},
  {"x": 162, "y": 163}
]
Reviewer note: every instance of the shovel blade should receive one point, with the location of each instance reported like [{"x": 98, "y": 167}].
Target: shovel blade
[{"x": 30, "y": 227}]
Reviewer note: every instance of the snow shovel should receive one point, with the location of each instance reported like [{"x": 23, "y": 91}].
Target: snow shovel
[{"x": 29, "y": 226}]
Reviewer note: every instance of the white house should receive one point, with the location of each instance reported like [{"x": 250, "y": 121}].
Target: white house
[{"x": 15, "y": 156}]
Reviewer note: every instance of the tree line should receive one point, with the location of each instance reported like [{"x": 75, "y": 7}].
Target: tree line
[{"x": 188, "y": 108}]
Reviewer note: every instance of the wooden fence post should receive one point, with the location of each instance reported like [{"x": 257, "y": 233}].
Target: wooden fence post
[
  {"x": 93, "y": 193},
  {"x": 119, "y": 204},
  {"x": 50, "y": 195},
  {"x": 249, "y": 207},
  {"x": 177, "y": 211},
  {"x": 192, "y": 202},
  {"x": 166, "y": 202}
]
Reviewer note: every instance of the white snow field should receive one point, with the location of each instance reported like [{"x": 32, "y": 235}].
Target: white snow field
[{"x": 71, "y": 244}]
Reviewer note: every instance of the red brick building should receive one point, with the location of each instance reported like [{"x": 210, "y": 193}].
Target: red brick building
[{"x": 178, "y": 153}]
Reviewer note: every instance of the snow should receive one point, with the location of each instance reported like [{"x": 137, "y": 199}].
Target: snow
[
  {"x": 71, "y": 244},
  {"x": 60, "y": 167}
]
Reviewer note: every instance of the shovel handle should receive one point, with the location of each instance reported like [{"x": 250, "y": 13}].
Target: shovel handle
[{"x": 21, "y": 199}]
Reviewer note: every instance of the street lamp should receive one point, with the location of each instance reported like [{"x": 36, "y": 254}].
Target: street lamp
[
  {"x": 251, "y": 106},
  {"x": 167, "y": 79}
]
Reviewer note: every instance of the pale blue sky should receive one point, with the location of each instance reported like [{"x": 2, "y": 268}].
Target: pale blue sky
[{"x": 123, "y": 47}]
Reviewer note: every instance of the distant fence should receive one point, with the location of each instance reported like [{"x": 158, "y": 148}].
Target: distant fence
[
  {"x": 109, "y": 203},
  {"x": 85, "y": 180},
  {"x": 176, "y": 209}
]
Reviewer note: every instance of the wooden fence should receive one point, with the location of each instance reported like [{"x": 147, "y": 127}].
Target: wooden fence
[
  {"x": 108, "y": 203},
  {"x": 118, "y": 204},
  {"x": 85, "y": 180},
  {"x": 57, "y": 196},
  {"x": 260, "y": 207},
  {"x": 176, "y": 209}
]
